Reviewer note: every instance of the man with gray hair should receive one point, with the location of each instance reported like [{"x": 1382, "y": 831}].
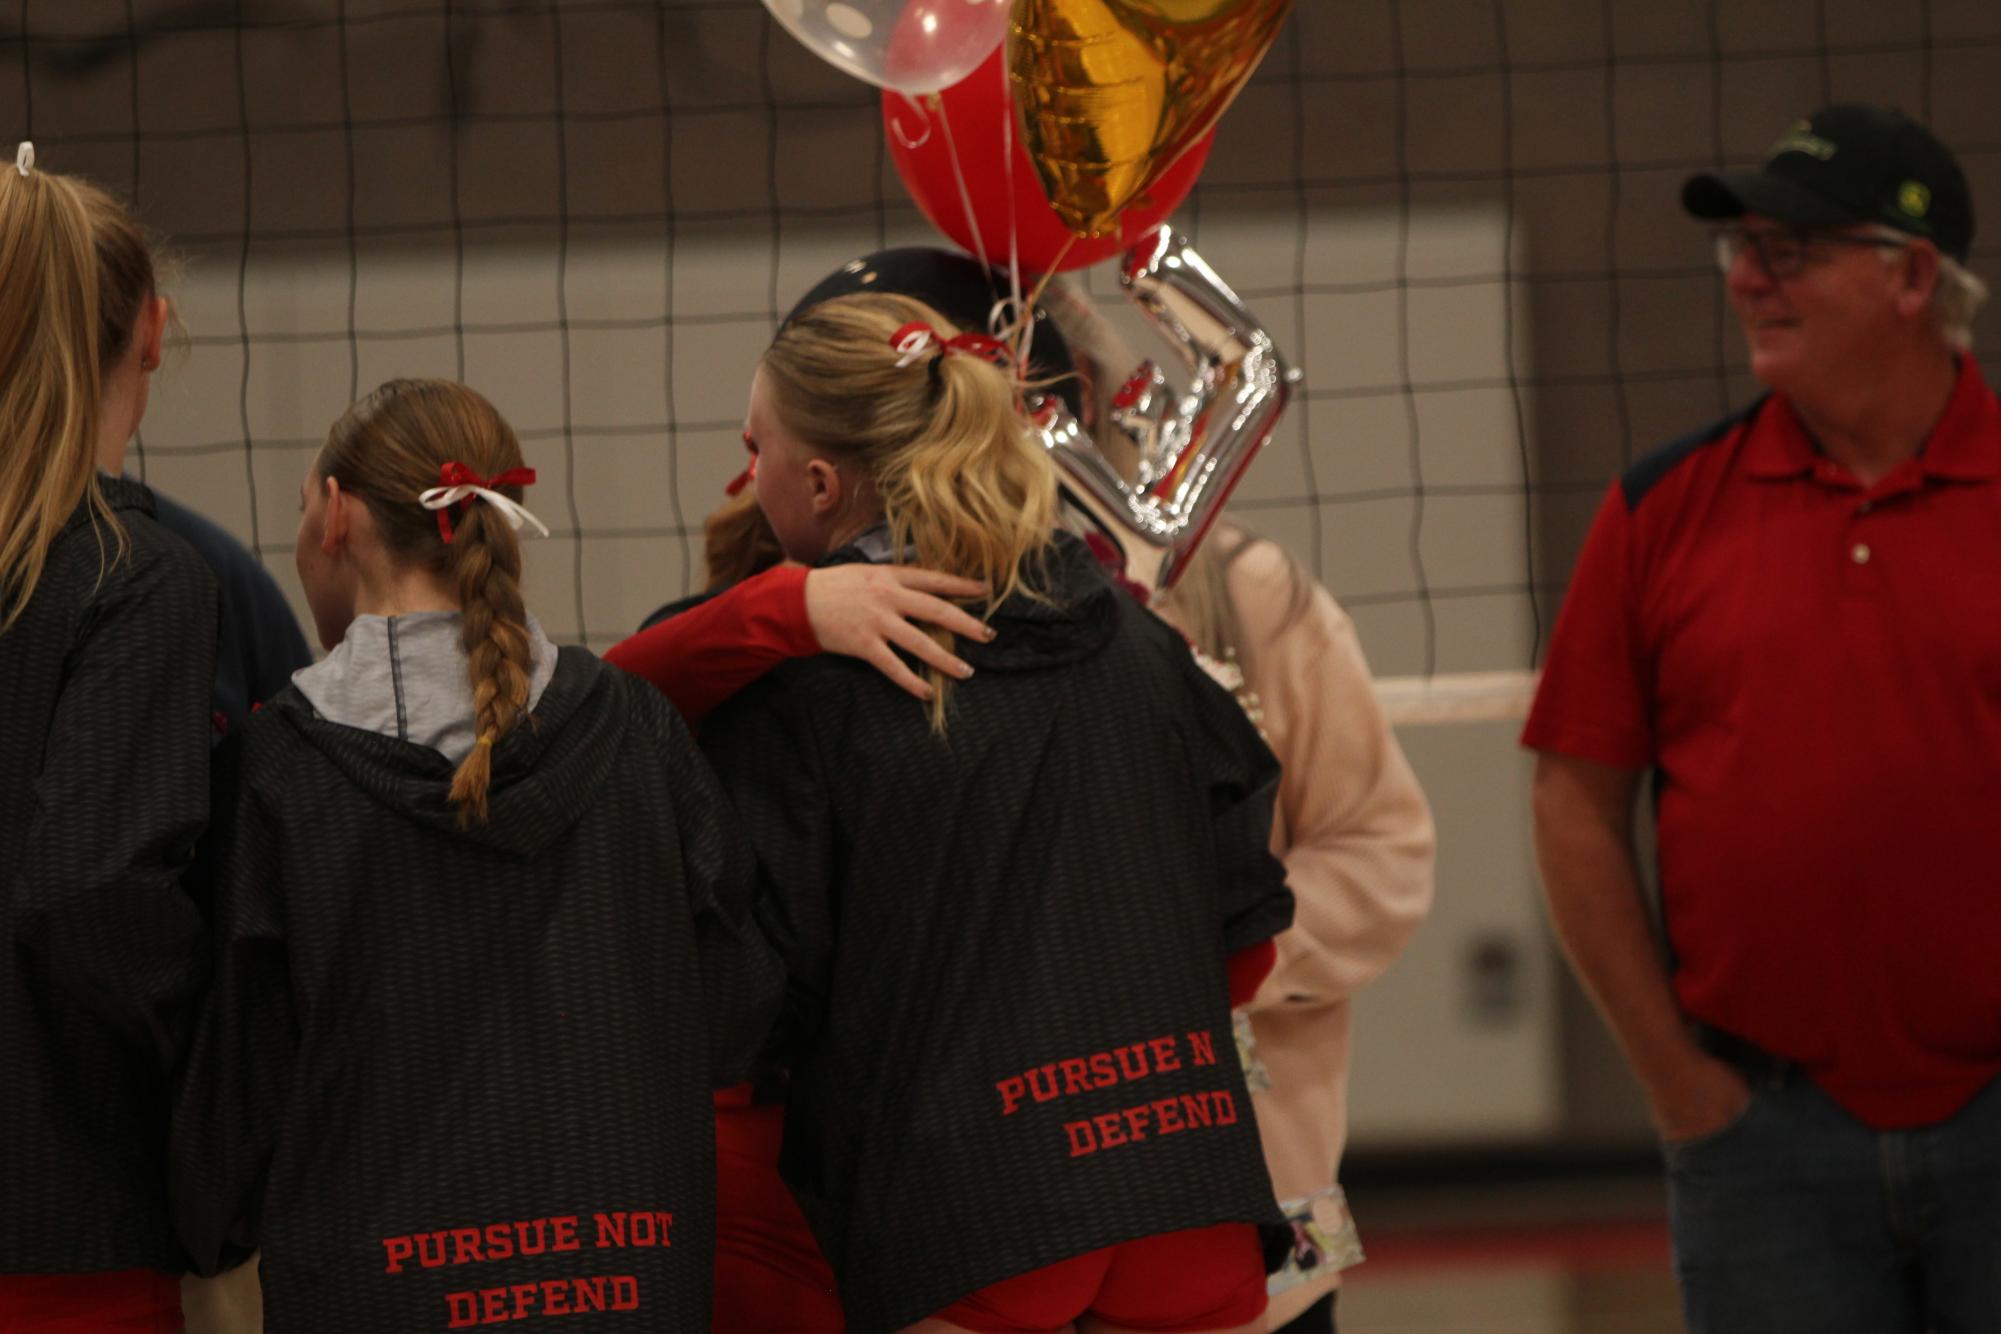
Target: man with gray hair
[{"x": 1792, "y": 618}]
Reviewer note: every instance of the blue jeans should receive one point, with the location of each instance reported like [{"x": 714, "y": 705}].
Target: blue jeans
[{"x": 1799, "y": 1219}]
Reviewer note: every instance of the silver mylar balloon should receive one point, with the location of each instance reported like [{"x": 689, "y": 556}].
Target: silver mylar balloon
[{"x": 1193, "y": 449}]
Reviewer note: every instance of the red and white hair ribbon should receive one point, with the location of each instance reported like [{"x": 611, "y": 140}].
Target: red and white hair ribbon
[
  {"x": 458, "y": 486},
  {"x": 913, "y": 341},
  {"x": 916, "y": 339}
]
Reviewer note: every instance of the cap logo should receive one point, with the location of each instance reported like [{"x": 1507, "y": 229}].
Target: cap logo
[
  {"x": 1914, "y": 198},
  {"x": 1802, "y": 139}
]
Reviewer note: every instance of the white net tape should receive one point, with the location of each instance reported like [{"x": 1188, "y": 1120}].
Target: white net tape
[{"x": 1465, "y": 697}]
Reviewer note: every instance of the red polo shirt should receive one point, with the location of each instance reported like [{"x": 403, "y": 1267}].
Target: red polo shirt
[{"x": 1813, "y": 669}]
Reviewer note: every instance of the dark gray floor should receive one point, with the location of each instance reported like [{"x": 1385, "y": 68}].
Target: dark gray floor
[{"x": 1566, "y": 1257}]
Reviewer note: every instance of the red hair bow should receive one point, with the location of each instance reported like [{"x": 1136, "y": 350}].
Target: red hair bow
[
  {"x": 458, "y": 486},
  {"x": 916, "y": 338}
]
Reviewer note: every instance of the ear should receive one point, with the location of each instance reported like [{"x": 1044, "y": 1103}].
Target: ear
[
  {"x": 151, "y": 332},
  {"x": 827, "y": 489},
  {"x": 334, "y": 533},
  {"x": 1919, "y": 277}
]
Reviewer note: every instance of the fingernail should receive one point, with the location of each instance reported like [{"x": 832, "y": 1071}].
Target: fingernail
[
  {"x": 964, "y": 669},
  {"x": 992, "y": 634}
]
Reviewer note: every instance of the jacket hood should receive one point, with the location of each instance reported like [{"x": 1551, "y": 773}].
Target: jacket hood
[
  {"x": 120, "y": 493},
  {"x": 546, "y": 772},
  {"x": 1074, "y": 618}
]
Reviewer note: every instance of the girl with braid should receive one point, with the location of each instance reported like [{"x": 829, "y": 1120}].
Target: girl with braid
[{"x": 482, "y": 937}]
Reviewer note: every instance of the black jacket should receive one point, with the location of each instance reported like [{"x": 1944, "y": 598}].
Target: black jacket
[
  {"x": 104, "y": 754},
  {"x": 1001, "y": 941},
  {"x": 421, "y": 1037}
]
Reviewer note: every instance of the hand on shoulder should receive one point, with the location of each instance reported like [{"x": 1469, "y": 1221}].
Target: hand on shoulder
[{"x": 869, "y": 611}]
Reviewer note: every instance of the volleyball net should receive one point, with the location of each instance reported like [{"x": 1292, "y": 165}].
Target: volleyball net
[{"x": 1458, "y": 217}]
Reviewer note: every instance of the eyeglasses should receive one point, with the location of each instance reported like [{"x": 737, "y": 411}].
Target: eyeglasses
[{"x": 1783, "y": 252}]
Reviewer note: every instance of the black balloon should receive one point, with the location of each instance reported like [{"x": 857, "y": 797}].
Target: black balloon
[{"x": 961, "y": 289}]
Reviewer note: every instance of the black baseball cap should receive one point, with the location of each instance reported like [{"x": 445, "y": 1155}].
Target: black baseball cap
[{"x": 1847, "y": 164}]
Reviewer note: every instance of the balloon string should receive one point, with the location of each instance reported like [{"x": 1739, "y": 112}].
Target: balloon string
[
  {"x": 1024, "y": 316},
  {"x": 903, "y": 136},
  {"x": 965, "y": 194},
  {"x": 1042, "y": 284},
  {"x": 1026, "y": 328}
]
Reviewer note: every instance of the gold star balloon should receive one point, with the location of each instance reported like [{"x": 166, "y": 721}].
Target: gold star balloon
[{"x": 1111, "y": 92}]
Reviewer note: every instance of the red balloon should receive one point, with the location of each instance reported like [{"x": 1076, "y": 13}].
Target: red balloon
[{"x": 980, "y": 115}]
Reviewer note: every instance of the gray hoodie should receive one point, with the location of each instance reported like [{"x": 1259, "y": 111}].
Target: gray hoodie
[{"x": 405, "y": 676}]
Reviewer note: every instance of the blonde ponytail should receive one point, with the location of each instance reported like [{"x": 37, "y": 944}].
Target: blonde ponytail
[
  {"x": 74, "y": 270},
  {"x": 973, "y": 493},
  {"x": 964, "y": 487},
  {"x": 388, "y": 449}
]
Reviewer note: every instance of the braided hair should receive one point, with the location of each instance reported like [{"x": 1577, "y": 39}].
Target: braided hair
[{"x": 389, "y": 448}]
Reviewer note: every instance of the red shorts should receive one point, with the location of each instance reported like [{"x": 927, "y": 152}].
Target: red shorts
[
  {"x": 770, "y": 1275},
  {"x": 1203, "y": 1279},
  {"x": 128, "y": 1301}
]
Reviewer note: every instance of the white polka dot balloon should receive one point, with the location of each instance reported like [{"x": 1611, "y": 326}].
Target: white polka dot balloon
[{"x": 912, "y": 46}]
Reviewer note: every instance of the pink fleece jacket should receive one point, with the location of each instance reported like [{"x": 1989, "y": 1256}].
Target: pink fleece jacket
[{"x": 1356, "y": 836}]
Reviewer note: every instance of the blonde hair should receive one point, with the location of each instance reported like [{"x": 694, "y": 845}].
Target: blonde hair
[
  {"x": 1202, "y": 606},
  {"x": 964, "y": 487},
  {"x": 74, "y": 271},
  {"x": 387, "y": 449}
]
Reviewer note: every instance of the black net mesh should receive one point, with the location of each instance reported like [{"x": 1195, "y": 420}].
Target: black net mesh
[{"x": 1459, "y": 218}]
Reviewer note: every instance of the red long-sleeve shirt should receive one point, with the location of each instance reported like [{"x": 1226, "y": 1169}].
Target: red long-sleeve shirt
[{"x": 704, "y": 655}]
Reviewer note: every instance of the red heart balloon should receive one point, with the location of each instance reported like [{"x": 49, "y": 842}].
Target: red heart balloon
[{"x": 980, "y": 115}]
